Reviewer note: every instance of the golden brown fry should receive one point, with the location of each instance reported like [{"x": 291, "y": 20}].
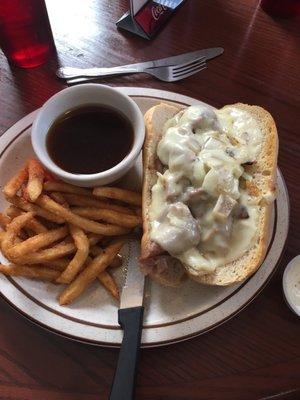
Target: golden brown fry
[
  {"x": 85, "y": 201},
  {"x": 96, "y": 250},
  {"x": 83, "y": 223},
  {"x": 4, "y": 220},
  {"x": 82, "y": 245},
  {"x": 33, "y": 224},
  {"x": 105, "y": 278},
  {"x": 59, "y": 265},
  {"x": 59, "y": 198},
  {"x": 116, "y": 262},
  {"x": 11, "y": 211},
  {"x": 12, "y": 231},
  {"x": 2, "y": 234},
  {"x": 24, "y": 193},
  {"x": 35, "y": 179},
  {"x": 37, "y": 242},
  {"x": 110, "y": 216},
  {"x": 30, "y": 207},
  {"x": 90, "y": 273},
  {"x": 110, "y": 284},
  {"x": 15, "y": 183},
  {"x": 36, "y": 272},
  {"x": 66, "y": 188},
  {"x": 53, "y": 253},
  {"x": 127, "y": 196},
  {"x": 36, "y": 226}
]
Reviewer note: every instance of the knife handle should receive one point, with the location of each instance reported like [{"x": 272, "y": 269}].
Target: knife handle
[
  {"x": 71, "y": 73},
  {"x": 123, "y": 386}
]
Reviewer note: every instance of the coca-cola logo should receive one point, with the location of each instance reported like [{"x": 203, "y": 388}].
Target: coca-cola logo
[{"x": 157, "y": 11}]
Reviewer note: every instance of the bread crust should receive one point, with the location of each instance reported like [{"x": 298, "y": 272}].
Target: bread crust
[
  {"x": 264, "y": 182},
  {"x": 155, "y": 118}
]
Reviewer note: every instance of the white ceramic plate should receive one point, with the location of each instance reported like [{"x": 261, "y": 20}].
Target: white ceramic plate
[{"x": 171, "y": 315}]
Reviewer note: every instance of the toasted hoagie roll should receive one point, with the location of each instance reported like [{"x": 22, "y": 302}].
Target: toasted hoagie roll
[{"x": 209, "y": 183}]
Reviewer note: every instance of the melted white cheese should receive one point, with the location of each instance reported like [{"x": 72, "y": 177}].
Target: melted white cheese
[{"x": 203, "y": 152}]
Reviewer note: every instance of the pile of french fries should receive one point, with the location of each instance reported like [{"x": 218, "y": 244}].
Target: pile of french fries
[{"x": 57, "y": 232}]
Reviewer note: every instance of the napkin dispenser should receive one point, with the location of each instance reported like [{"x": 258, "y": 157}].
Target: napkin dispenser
[{"x": 146, "y": 18}]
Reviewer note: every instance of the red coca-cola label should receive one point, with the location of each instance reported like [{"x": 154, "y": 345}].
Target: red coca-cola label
[{"x": 152, "y": 17}]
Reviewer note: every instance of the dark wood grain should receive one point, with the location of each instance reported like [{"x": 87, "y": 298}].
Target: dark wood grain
[{"x": 256, "y": 355}]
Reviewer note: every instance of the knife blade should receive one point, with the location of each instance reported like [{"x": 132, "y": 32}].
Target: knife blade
[
  {"x": 130, "y": 317},
  {"x": 76, "y": 74},
  {"x": 133, "y": 289},
  {"x": 181, "y": 58}
]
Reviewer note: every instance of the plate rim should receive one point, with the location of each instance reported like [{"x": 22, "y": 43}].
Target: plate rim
[{"x": 183, "y": 100}]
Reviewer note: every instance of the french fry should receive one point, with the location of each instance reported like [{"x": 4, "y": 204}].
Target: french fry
[
  {"x": 2, "y": 234},
  {"x": 90, "y": 273},
  {"x": 85, "y": 201},
  {"x": 116, "y": 262},
  {"x": 59, "y": 198},
  {"x": 12, "y": 211},
  {"x": 33, "y": 224},
  {"x": 127, "y": 196},
  {"x": 106, "y": 280},
  {"x": 24, "y": 193},
  {"x": 110, "y": 216},
  {"x": 15, "y": 183},
  {"x": 55, "y": 252},
  {"x": 66, "y": 188},
  {"x": 82, "y": 245},
  {"x": 96, "y": 250},
  {"x": 60, "y": 264},
  {"x": 104, "y": 277},
  {"x": 4, "y": 220},
  {"x": 36, "y": 226},
  {"x": 30, "y": 207},
  {"x": 83, "y": 223},
  {"x": 35, "y": 179},
  {"x": 37, "y": 242},
  {"x": 109, "y": 283},
  {"x": 42, "y": 273},
  {"x": 89, "y": 216},
  {"x": 12, "y": 231}
]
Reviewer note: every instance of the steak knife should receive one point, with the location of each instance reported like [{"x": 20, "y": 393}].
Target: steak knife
[
  {"x": 71, "y": 73},
  {"x": 130, "y": 317}
]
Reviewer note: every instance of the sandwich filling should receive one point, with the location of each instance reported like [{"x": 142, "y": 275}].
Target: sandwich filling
[{"x": 201, "y": 212}]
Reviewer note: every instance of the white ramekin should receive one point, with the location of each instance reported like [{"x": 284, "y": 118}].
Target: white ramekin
[{"x": 75, "y": 96}]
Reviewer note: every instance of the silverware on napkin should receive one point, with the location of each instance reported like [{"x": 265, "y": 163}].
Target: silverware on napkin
[
  {"x": 74, "y": 75},
  {"x": 130, "y": 316}
]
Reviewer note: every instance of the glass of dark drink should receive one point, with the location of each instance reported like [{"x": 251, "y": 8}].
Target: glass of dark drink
[
  {"x": 25, "y": 32},
  {"x": 281, "y": 8}
]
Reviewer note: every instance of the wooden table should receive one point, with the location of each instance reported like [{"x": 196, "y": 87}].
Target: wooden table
[{"x": 256, "y": 355}]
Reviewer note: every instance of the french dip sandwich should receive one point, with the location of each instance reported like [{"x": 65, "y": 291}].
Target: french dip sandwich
[{"x": 209, "y": 183}]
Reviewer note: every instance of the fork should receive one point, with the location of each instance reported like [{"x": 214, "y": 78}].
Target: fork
[
  {"x": 173, "y": 73},
  {"x": 169, "y": 73}
]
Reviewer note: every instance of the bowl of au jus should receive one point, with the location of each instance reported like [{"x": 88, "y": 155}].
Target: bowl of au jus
[{"x": 88, "y": 135}]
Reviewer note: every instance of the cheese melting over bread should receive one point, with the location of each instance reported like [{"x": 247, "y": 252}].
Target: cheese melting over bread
[{"x": 200, "y": 212}]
